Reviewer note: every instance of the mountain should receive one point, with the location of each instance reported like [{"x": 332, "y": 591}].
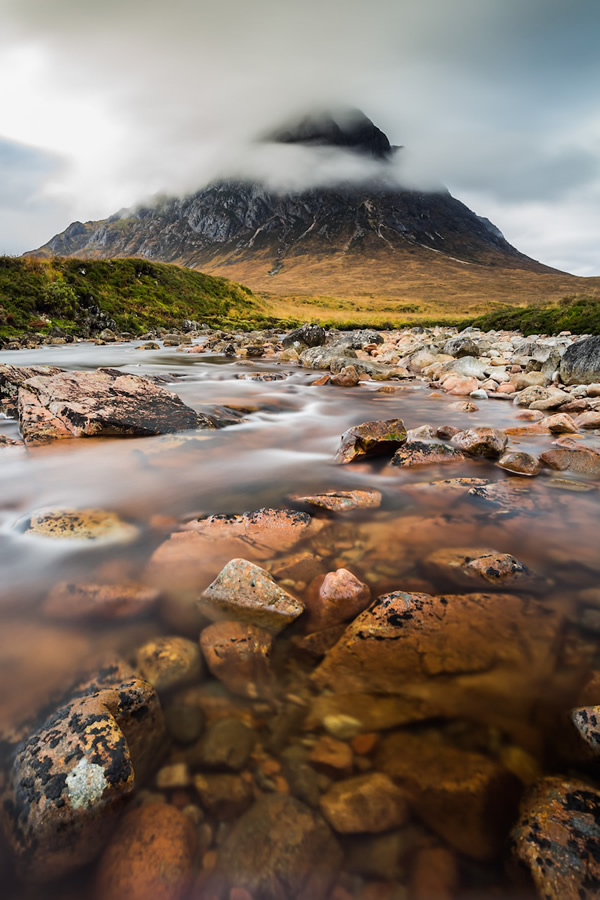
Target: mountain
[{"x": 366, "y": 242}]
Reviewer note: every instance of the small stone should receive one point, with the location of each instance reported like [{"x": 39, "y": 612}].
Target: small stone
[
  {"x": 445, "y": 432},
  {"x": 96, "y": 526},
  {"x": 224, "y": 796},
  {"x": 227, "y": 744},
  {"x": 184, "y": 723},
  {"x": 331, "y": 755},
  {"x": 342, "y": 726},
  {"x": 560, "y": 423},
  {"x": 476, "y": 565},
  {"x": 167, "y": 662},
  {"x": 463, "y": 406},
  {"x": 150, "y": 855},
  {"x": 479, "y": 394},
  {"x": 366, "y": 803},
  {"x": 487, "y": 442},
  {"x": 171, "y": 777},
  {"x": 334, "y": 598},
  {"x": 371, "y": 438},
  {"x": 519, "y": 463},
  {"x": 244, "y": 592},
  {"x": 363, "y": 744},
  {"x": 347, "y": 377},
  {"x": 238, "y": 654}
]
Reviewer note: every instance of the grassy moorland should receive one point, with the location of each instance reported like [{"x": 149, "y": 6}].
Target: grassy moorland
[{"x": 37, "y": 295}]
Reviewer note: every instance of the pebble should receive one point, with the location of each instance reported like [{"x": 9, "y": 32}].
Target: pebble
[
  {"x": 333, "y": 598},
  {"x": 365, "y": 803},
  {"x": 332, "y": 756},
  {"x": 227, "y": 745},
  {"x": 167, "y": 662}
]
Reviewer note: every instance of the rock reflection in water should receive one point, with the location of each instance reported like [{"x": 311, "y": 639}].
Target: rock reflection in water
[{"x": 380, "y": 757}]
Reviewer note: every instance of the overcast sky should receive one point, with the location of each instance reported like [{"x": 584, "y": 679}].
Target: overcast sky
[{"x": 104, "y": 104}]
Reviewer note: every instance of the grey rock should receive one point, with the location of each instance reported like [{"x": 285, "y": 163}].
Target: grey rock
[{"x": 581, "y": 362}]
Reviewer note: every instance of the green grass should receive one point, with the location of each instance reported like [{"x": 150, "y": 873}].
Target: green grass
[
  {"x": 579, "y": 314},
  {"x": 36, "y": 295}
]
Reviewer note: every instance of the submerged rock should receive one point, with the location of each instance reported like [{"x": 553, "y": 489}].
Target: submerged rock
[
  {"x": 279, "y": 849},
  {"x": 340, "y": 501},
  {"x": 334, "y": 598},
  {"x": 105, "y": 402},
  {"x": 244, "y": 592},
  {"x": 238, "y": 654},
  {"x": 149, "y": 856},
  {"x": 475, "y": 566},
  {"x": 366, "y": 803},
  {"x": 69, "y": 779},
  {"x": 265, "y": 531},
  {"x": 557, "y": 839},
  {"x": 423, "y": 453},
  {"x": 466, "y": 798},
  {"x": 520, "y": 463},
  {"x": 93, "y": 525},
  {"x": 567, "y": 455},
  {"x": 167, "y": 662},
  {"x": 80, "y": 600},
  {"x": 371, "y": 438}
]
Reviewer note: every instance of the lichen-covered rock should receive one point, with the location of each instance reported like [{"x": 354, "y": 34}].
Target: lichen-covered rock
[
  {"x": 97, "y": 526},
  {"x": 149, "y": 856},
  {"x": 104, "y": 402},
  {"x": 13, "y": 377},
  {"x": 238, "y": 654},
  {"x": 461, "y": 345},
  {"x": 335, "y": 598},
  {"x": 371, "y": 438},
  {"x": 264, "y": 531},
  {"x": 585, "y": 722},
  {"x": 424, "y": 453},
  {"x": 466, "y": 798},
  {"x": 580, "y": 363},
  {"x": 557, "y": 839},
  {"x": 475, "y": 566},
  {"x": 365, "y": 803},
  {"x": 167, "y": 662},
  {"x": 277, "y": 850},
  {"x": 81, "y": 600},
  {"x": 244, "y": 592},
  {"x": 340, "y": 501},
  {"x": 68, "y": 780},
  {"x": 309, "y": 335},
  {"x": 487, "y": 442}
]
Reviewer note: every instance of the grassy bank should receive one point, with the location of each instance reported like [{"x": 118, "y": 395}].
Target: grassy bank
[
  {"x": 577, "y": 314},
  {"x": 37, "y": 295}
]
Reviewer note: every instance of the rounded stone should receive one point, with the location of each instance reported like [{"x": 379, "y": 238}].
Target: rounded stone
[
  {"x": 184, "y": 722},
  {"x": 238, "y": 654},
  {"x": 333, "y": 598},
  {"x": 366, "y": 803},
  {"x": 520, "y": 463},
  {"x": 167, "y": 662},
  {"x": 227, "y": 745},
  {"x": 150, "y": 856}
]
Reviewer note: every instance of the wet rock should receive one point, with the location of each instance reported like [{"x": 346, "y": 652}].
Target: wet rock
[
  {"x": 460, "y": 385},
  {"x": 422, "y": 453},
  {"x": 150, "y": 855},
  {"x": 435, "y": 874},
  {"x": 585, "y": 721},
  {"x": 461, "y": 345},
  {"x": 580, "y": 364},
  {"x": 306, "y": 336},
  {"x": 78, "y": 600},
  {"x": 560, "y": 423},
  {"x": 487, "y": 442},
  {"x": 105, "y": 402},
  {"x": 466, "y": 798},
  {"x": 149, "y": 345},
  {"x": 371, "y": 438},
  {"x": 463, "y": 406},
  {"x": 556, "y": 841},
  {"x": 445, "y": 432},
  {"x": 347, "y": 377},
  {"x": 567, "y": 455},
  {"x": 383, "y": 856},
  {"x": 227, "y": 745},
  {"x": 13, "y": 377},
  {"x": 366, "y": 803},
  {"x": 324, "y": 357},
  {"x": 97, "y": 526},
  {"x": 514, "y": 495},
  {"x": 279, "y": 849},
  {"x": 166, "y": 662},
  {"x": 238, "y": 654},
  {"x": 335, "y": 598},
  {"x": 246, "y": 593},
  {"x": 68, "y": 780},
  {"x": 185, "y": 723},
  {"x": 475, "y": 567},
  {"x": 265, "y": 531},
  {"x": 224, "y": 796},
  {"x": 520, "y": 463},
  {"x": 330, "y": 755},
  {"x": 340, "y": 501},
  {"x": 589, "y": 419}
]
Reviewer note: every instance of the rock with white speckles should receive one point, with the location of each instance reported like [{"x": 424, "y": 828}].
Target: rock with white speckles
[{"x": 68, "y": 780}]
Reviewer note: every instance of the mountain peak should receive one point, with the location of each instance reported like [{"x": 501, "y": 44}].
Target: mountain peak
[{"x": 350, "y": 129}]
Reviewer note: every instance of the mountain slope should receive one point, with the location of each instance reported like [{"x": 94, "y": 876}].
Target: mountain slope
[{"x": 363, "y": 242}]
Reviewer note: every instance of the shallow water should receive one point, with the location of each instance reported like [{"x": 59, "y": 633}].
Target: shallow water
[{"x": 286, "y": 445}]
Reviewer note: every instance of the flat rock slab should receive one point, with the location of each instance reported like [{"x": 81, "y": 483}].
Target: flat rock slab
[
  {"x": 557, "y": 839},
  {"x": 340, "y": 501},
  {"x": 264, "y": 531},
  {"x": 94, "y": 525},
  {"x": 474, "y": 566},
  {"x": 244, "y": 592},
  {"x": 567, "y": 455},
  {"x": 106, "y": 402}
]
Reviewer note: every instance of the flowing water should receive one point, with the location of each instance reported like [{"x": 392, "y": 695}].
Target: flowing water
[{"x": 286, "y": 445}]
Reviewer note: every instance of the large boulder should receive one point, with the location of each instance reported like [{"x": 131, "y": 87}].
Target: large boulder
[
  {"x": 92, "y": 404},
  {"x": 371, "y": 438},
  {"x": 461, "y": 345},
  {"x": 581, "y": 362},
  {"x": 306, "y": 336}
]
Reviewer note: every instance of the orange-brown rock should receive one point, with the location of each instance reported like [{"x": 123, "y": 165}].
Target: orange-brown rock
[
  {"x": 371, "y": 438},
  {"x": 279, "y": 849},
  {"x": 167, "y": 662},
  {"x": 150, "y": 856},
  {"x": 238, "y": 654},
  {"x": 557, "y": 839},
  {"x": 257, "y": 534},
  {"x": 334, "y": 598},
  {"x": 68, "y": 780},
  {"x": 517, "y": 462},
  {"x": 435, "y": 874},
  {"x": 460, "y": 385},
  {"x": 224, "y": 796},
  {"x": 246, "y": 593},
  {"x": 589, "y": 419},
  {"x": 487, "y": 442},
  {"x": 331, "y": 755},
  {"x": 567, "y": 455},
  {"x": 340, "y": 501},
  {"x": 475, "y": 566},
  {"x": 560, "y": 423},
  {"x": 365, "y": 803},
  {"x": 425, "y": 453},
  {"x": 81, "y": 600},
  {"x": 466, "y": 798}
]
